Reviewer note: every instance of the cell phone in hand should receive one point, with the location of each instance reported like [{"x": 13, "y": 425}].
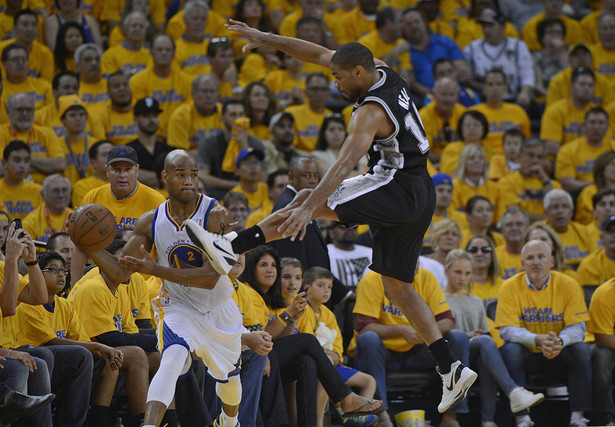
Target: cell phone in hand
[{"x": 18, "y": 226}]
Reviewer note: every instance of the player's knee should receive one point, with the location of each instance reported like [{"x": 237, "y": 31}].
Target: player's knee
[{"x": 230, "y": 391}]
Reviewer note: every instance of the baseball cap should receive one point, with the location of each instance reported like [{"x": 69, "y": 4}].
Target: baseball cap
[
  {"x": 245, "y": 153},
  {"x": 147, "y": 105},
  {"x": 608, "y": 222},
  {"x": 122, "y": 153},
  {"x": 279, "y": 116},
  {"x": 441, "y": 178},
  {"x": 490, "y": 16},
  {"x": 67, "y": 101}
]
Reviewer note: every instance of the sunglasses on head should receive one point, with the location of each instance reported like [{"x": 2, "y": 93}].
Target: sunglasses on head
[{"x": 483, "y": 249}]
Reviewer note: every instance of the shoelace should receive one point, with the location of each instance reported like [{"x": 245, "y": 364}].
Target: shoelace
[{"x": 224, "y": 227}]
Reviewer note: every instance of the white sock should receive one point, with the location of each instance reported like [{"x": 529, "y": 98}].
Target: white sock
[
  {"x": 520, "y": 418},
  {"x": 576, "y": 415},
  {"x": 228, "y": 421}
]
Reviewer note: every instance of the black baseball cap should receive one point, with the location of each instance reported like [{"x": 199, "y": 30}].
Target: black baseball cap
[
  {"x": 147, "y": 105},
  {"x": 490, "y": 16},
  {"x": 122, "y": 153}
]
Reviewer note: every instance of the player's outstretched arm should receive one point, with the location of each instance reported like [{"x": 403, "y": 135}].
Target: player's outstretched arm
[{"x": 297, "y": 48}]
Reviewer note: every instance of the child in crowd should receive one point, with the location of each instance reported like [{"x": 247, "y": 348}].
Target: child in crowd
[
  {"x": 502, "y": 165},
  {"x": 320, "y": 321}
]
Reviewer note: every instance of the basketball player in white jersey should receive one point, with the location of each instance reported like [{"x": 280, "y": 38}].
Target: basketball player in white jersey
[{"x": 194, "y": 309}]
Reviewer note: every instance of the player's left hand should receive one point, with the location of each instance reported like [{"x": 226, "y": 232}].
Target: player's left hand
[
  {"x": 296, "y": 223},
  {"x": 145, "y": 265}
]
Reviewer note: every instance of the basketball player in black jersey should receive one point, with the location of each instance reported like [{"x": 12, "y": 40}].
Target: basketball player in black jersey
[{"x": 396, "y": 197}]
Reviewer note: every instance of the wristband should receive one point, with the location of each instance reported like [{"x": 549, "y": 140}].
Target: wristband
[
  {"x": 285, "y": 317},
  {"x": 31, "y": 263}
]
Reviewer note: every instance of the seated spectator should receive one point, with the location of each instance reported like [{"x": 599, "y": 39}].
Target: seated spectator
[
  {"x": 559, "y": 87},
  {"x": 212, "y": 23},
  {"x": 51, "y": 216},
  {"x": 599, "y": 266},
  {"x": 486, "y": 272},
  {"x": 446, "y": 68},
  {"x": 19, "y": 197},
  {"x": 504, "y": 164},
  {"x": 472, "y": 128},
  {"x": 237, "y": 205},
  {"x": 276, "y": 184},
  {"x": 335, "y": 33},
  {"x": 222, "y": 61},
  {"x": 445, "y": 236},
  {"x": 501, "y": 116},
  {"x": 473, "y": 28},
  {"x": 98, "y": 162},
  {"x": 312, "y": 30},
  {"x": 69, "y": 38},
  {"x": 602, "y": 51},
  {"x": 559, "y": 209},
  {"x": 604, "y": 207},
  {"x": 553, "y": 57},
  {"x": 359, "y": 21},
  {"x": 69, "y": 12},
  {"x": 441, "y": 117},
  {"x": 563, "y": 121},
  {"x": 513, "y": 224},
  {"x": 279, "y": 150},
  {"x": 527, "y": 186},
  {"x": 552, "y": 9},
  {"x": 165, "y": 83},
  {"x": 426, "y": 49},
  {"x": 40, "y": 58},
  {"x": 288, "y": 83},
  {"x": 489, "y": 52},
  {"x": 470, "y": 317},
  {"x": 154, "y": 10},
  {"x": 541, "y": 315},
  {"x": 92, "y": 87},
  {"x": 253, "y": 14},
  {"x": 248, "y": 168},
  {"x": 257, "y": 64},
  {"x": 310, "y": 116},
  {"x": 575, "y": 161},
  {"x": 74, "y": 118},
  {"x": 131, "y": 55},
  {"x": 471, "y": 180},
  {"x": 385, "y": 340},
  {"x": 604, "y": 177},
  {"x": 479, "y": 211}
]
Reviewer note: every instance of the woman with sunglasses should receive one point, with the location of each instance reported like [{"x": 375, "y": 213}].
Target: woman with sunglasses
[
  {"x": 485, "y": 267},
  {"x": 479, "y": 211},
  {"x": 471, "y": 318}
]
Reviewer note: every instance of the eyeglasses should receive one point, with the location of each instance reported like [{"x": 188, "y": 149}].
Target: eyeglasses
[
  {"x": 483, "y": 249},
  {"x": 56, "y": 270}
]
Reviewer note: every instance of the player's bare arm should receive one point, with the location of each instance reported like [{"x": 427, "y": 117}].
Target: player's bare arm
[
  {"x": 219, "y": 219},
  {"x": 368, "y": 121}
]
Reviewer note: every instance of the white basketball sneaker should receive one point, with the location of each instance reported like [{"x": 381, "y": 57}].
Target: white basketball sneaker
[
  {"x": 455, "y": 385},
  {"x": 217, "y": 247}
]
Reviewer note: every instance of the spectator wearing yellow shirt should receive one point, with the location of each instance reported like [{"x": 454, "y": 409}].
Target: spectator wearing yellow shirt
[
  {"x": 114, "y": 118},
  {"x": 513, "y": 225},
  {"x": 472, "y": 128},
  {"x": 98, "y": 160},
  {"x": 154, "y": 11},
  {"x": 276, "y": 184},
  {"x": 359, "y": 21},
  {"x": 92, "y": 87},
  {"x": 288, "y": 84},
  {"x": 222, "y": 61},
  {"x": 503, "y": 164},
  {"x": 553, "y": 58},
  {"x": 40, "y": 58},
  {"x": 559, "y": 209},
  {"x": 575, "y": 161},
  {"x": 334, "y": 32},
  {"x": 502, "y": 116},
  {"x": 604, "y": 51},
  {"x": 599, "y": 266},
  {"x": 52, "y": 216},
  {"x": 131, "y": 55},
  {"x": 441, "y": 117},
  {"x": 47, "y": 154},
  {"x": 590, "y": 21},
  {"x": 252, "y": 12},
  {"x": 579, "y": 56},
  {"x": 76, "y": 142},
  {"x": 444, "y": 209},
  {"x": 480, "y": 213},
  {"x": 248, "y": 169},
  {"x": 604, "y": 207},
  {"x": 15, "y": 63},
  {"x": 562, "y": 122},
  {"x": 310, "y": 29},
  {"x": 604, "y": 177},
  {"x": 257, "y": 65},
  {"x": 195, "y": 119},
  {"x": 552, "y": 9},
  {"x": 309, "y": 116},
  {"x": 214, "y": 24},
  {"x": 163, "y": 81},
  {"x": 19, "y": 197}
]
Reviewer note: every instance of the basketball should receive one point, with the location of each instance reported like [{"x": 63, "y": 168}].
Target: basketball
[{"x": 92, "y": 227}]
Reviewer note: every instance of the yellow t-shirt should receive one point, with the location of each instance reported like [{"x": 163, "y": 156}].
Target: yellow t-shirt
[
  {"x": 563, "y": 122},
  {"x": 434, "y": 126},
  {"x": 307, "y": 126},
  {"x": 574, "y": 31},
  {"x": 75, "y": 169},
  {"x": 127, "y": 211},
  {"x": 187, "y": 126},
  {"x": 527, "y": 193},
  {"x": 604, "y": 61},
  {"x": 576, "y": 243},
  {"x": 41, "y": 63},
  {"x": 309, "y": 322},
  {"x": 594, "y": 234},
  {"x": 282, "y": 85},
  {"x": 49, "y": 116},
  {"x": 372, "y": 302},
  {"x": 39, "y": 228},
  {"x": 471, "y": 30},
  {"x": 487, "y": 290},
  {"x": 170, "y": 92},
  {"x": 256, "y": 199},
  {"x": 254, "y": 68},
  {"x": 585, "y": 205},
  {"x": 191, "y": 57},
  {"x": 125, "y": 58},
  {"x": 93, "y": 93},
  {"x": 451, "y": 213},
  {"x": 558, "y": 305},
  {"x": 449, "y": 159},
  {"x": 117, "y": 126},
  {"x": 19, "y": 201},
  {"x": 509, "y": 116},
  {"x": 510, "y": 264},
  {"x": 36, "y": 326},
  {"x": 253, "y": 309},
  {"x": 559, "y": 88},
  {"x": 260, "y": 214},
  {"x": 84, "y": 185},
  {"x": 214, "y": 28},
  {"x": 453, "y": 10},
  {"x": 40, "y": 89},
  {"x": 462, "y": 192},
  {"x": 101, "y": 310},
  {"x": 596, "y": 269},
  {"x": 576, "y": 159},
  {"x": 380, "y": 49},
  {"x": 355, "y": 25},
  {"x": 43, "y": 144},
  {"x": 498, "y": 167},
  {"x": 602, "y": 309}
]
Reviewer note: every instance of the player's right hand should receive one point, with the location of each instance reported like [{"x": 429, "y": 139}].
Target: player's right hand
[{"x": 255, "y": 37}]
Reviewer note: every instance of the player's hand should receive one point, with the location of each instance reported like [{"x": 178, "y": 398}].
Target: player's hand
[
  {"x": 255, "y": 37},
  {"x": 296, "y": 223},
  {"x": 145, "y": 265},
  {"x": 25, "y": 358},
  {"x": 114, "y": 357},
  {"x": 259, "y": 341}
]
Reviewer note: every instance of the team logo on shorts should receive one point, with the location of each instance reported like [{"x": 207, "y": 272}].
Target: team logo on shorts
[{"x": 185, "y": 256}]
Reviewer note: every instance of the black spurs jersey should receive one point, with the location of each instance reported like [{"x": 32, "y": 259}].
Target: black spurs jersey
[{"x": 407, "y": 147}]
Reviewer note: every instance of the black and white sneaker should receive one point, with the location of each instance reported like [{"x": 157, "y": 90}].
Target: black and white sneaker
[
  {"x": 217, "y": 247},
  {"x": 455, "y": 385}
]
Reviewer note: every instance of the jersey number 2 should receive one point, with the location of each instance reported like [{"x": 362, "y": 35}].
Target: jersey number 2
[{"x": 417, "y": 130}]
